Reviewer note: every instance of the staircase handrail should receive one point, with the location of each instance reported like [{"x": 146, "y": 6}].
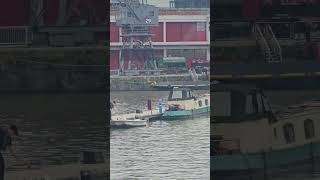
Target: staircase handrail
[
  {"x": 275, "y": 43},
  {"x": 262, "y": 42}
]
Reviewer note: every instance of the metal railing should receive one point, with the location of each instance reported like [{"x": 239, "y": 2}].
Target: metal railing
[
  {"x": 262, "y": 42},
  {"x": 274, "y": 44},
  {"x": 115, "y": 72},
  {"x": 15, "y": 35}
]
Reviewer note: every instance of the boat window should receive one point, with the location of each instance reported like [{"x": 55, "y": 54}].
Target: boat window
[
  {"x": 180, "y": 95},
  {"x": 309, "y": 129},
  {"x": 249, "y": 105},
  {"x": 200, "y": 103},
  {"x": 238, "y": 100},
  {"x": 266, "y": 104},
  {"x": 288, "y": 132},
  {"x": 184, "y": 94},
  {"x": 176, "y": 95},
  {"x": 275, "y": 134},
  {"x": 259, "y": 102},
  {"x": 222, "y": 104},
  {"x": 206, "y": 102}
]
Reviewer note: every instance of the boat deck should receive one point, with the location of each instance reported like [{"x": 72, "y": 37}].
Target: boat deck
[{"x": 143, "y": 115}]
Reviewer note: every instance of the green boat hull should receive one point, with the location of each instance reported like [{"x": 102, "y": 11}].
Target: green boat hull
[
  {"x": 185, "y": 114},
  {"x": 300, "y": 160}
]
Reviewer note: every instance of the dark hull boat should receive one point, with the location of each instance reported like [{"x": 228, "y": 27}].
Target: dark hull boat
[{"x": 249, "y": 141}]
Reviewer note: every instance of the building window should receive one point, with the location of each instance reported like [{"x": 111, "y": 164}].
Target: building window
[
  {"x": 309, "y": 129},
  {"x": 206, "y": 102},
  {"x": 200, "y": 103},
  {"x": 201, "y": 26},
  {"x": 151, "y": 13},
  {"x": 288, "y": 132}
]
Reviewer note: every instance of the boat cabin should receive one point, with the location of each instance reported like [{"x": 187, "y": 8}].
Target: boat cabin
[
  {"x": 297, "y": 126},
  {"x": 242, "y": 122},
  {"x": 237, "y": 104},
  {"x": 240, "y": 119},
  {"x": 180, "y": 94},
  {"x": 185, "y": 99}
]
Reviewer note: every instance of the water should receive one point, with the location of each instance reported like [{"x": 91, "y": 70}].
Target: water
[
  {"x": 178, "y": 150},
  {"x": 54, "y": 128}
]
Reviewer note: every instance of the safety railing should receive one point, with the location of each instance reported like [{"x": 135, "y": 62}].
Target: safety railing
[
  {"x": 262, "y": 42},
  {"x": 114, "y": 72},
  {"x": 274, "y": 44},
  {"x": 15, "y": 35}
]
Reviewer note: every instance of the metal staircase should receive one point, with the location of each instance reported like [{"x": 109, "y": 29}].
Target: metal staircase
[
  {"x": 268, "y": 44},
  {"x": 193, "y": 74}
]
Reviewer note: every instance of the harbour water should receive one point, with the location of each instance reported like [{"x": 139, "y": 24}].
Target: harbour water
[
  {"x": 54, "y": 128},
  {"x": 178, "y": 150}
]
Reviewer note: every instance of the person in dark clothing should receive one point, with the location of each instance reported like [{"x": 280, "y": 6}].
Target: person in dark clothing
[{"x": 6, "y": 135}]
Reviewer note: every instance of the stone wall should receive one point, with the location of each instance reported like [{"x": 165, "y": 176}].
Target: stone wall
[
  {"x": 142, "y": 83},
  {"x": 53, "y": 69}
]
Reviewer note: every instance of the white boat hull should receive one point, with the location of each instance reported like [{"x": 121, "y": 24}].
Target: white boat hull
[{"x": 128, "y": 123}]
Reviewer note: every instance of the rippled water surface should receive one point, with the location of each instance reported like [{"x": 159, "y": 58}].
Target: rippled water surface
[
  {"x": 179, "y": 150},
  {"x": 55, "y": 128}
]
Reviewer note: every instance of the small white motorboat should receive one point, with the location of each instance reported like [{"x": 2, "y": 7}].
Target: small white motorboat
[
  {"x": 127, "y": 123},
  {"x": 129, "y": 120}
]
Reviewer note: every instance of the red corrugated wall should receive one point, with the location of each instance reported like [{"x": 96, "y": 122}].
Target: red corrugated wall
[
  {"x": 14, "y": 12},
  {"x": 173, "y": 32},
  {"x": 158, "y": 33},
  {"x": 114, "y": 32},
  {"x": 51, "y": 13},
  {"x": 184, "y": 31},
  {"x": 251, "y": 8},
  {"x": 114, "y": 59}
]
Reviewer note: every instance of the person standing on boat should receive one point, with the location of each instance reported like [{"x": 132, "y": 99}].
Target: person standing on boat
[{"x": 6, "y": 135}]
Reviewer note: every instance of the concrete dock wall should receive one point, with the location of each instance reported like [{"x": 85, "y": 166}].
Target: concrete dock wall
[{"x": 53, "y": 69}]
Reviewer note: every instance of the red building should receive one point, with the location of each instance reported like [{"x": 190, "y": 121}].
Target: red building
[
  {"x": 52, "y": 16},
  {"x": 182, "y": 32}
]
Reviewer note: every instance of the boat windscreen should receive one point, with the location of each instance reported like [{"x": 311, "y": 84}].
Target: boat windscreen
[
  {"x": 181, "y": 94},
  {"x": 221, "y": 104}
]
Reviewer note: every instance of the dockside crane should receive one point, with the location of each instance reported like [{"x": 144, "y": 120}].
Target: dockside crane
[{"x": 134, "y": 17}]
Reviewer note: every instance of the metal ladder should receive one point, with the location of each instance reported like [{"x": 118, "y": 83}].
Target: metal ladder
[
  {"x": 274, "y": 45},
  {"x": 268, "y": 44}
]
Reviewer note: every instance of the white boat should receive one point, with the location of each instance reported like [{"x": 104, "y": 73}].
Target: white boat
[
  {"x": 183, "y": 104},
  {"x": 137, "y": 119},
  {"x": 129, "y": 123}
]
